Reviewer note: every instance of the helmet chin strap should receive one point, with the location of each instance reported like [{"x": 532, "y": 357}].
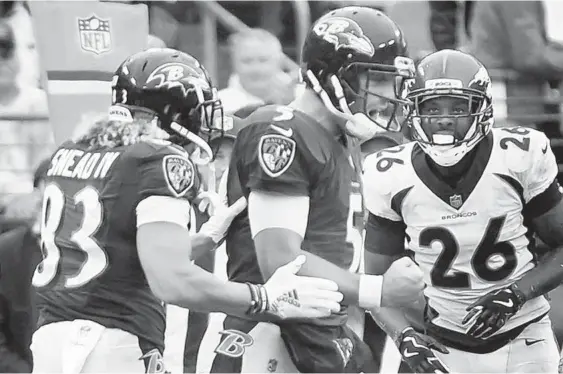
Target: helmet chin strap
[
  {"x": 446, "y": 155},
  {"x": 203, "y": 154},
  {"x": 358, "y": 125}
]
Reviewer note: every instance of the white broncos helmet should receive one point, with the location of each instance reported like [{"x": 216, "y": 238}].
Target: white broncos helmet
[{"x": 452, "y": 74}]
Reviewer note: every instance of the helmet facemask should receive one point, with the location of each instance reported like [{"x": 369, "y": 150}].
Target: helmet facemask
[
  {"x": 448, "y": 149},
  {"x": 213, "y": 124},
  {"x": 183, "y": 120},
  {"x": 349, "y": 97},
  {"x": 207, "y": 117}
]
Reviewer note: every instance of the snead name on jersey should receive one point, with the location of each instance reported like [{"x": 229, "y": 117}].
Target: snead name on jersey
[
  {"x": 471, "y": 239},
  {"x": 75, "y": 163}
]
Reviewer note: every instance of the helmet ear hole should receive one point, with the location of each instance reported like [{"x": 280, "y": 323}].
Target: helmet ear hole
[
  {"x": 351, "y": 77},
  {"x": 476, "y": 104}
]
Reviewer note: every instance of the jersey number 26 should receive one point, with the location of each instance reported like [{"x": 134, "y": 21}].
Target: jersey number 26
[{"x": 442, "y": 274}]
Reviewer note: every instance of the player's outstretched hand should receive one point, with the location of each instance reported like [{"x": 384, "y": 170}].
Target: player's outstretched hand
[
  {"x": 402, "y": 283},
  {"x": 416, "y": 350},
  {"x": 488, "y": 314},
  {"x": 221, "y": 215},
  {"x": 293, "y": 296}
]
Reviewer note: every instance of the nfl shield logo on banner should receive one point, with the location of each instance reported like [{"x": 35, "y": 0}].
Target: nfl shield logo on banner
[
  {"x": 276, "y": 153},
  {"x": 456, "y": 201},
  {"x": 94, "y": 34}
]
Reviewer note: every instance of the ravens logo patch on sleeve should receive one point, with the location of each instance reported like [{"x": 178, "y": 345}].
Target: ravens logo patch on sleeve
[
  {"x": 179, "y": 174},
  {"x": 276, "y": 153}
]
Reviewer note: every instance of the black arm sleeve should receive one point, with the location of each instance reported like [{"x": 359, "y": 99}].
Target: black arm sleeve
[
  {"x": 543, "y": 202},
  {"x": 384, "y": 236}
]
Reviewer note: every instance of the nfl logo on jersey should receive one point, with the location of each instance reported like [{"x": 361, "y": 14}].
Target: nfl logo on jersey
[
  {"x": 94, "y": 34},
  {"x": 456, "y": 201}
]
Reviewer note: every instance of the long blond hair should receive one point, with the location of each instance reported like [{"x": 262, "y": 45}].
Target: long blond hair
[{"x": 99, "y": 131}]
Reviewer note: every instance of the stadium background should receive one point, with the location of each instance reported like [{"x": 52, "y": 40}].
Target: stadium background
[{"x": 61, "y": 73}]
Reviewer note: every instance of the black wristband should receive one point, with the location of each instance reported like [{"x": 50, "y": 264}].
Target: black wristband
[{"x": 518, "y": 293}]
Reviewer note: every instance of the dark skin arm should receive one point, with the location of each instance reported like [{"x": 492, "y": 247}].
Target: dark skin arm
[
  {"x": 391, "y": 320},
  {"x": 548, "y": 274}
]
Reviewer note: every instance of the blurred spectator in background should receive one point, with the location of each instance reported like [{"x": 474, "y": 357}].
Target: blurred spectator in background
[
  {"x": 445, "y": 22},
  {"x": 15, "y": 97},
  {"x": 258, "y": 77},
  {"x": 19, "y": 255},
  {"x": 22, "y": 143},
  {"x": 165, "y": 20},
  {"x": 20, "y": 20},
  {"x": 512, "y": 35},
  {"x": 553, "y": 11}
]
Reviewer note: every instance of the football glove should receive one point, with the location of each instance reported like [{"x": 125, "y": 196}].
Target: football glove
[
  {"x": 287, "y": 295},
  {"x": 416, "y": 351},
  {"x": 221, "y": 215},
  {"x": 490, "y": 312}
]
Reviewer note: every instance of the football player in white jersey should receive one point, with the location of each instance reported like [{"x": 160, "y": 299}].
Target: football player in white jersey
[{"x": 468, "y": 198}]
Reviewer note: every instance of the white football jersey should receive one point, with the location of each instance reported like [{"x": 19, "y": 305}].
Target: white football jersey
[{"x": 471, "y": 239}]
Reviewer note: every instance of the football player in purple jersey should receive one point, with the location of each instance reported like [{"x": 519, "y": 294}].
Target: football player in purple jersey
[
  {"x": 299, "y": 167},
  {"x": 115, "y": 236}
]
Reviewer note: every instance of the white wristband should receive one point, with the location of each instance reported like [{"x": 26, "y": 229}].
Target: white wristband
[
  {"x": 211, "y": 230},
  {"x": 371, "y": 291}
]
